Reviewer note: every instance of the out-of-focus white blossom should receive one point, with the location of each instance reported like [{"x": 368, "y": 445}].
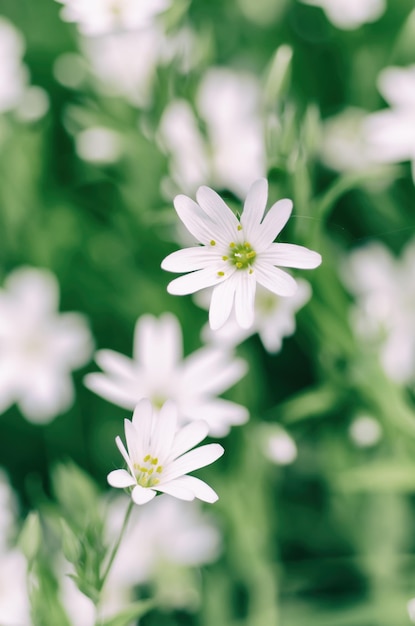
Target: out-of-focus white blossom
[
  {"x": 99, "y": 145},
  {"x": 125, "y": 64},
  {"x": 96, "y": 17},
  {"x": 39, "y": 347},
  {"x": 232, "y": 154},
  {"x": 13, "y": 74},
  {"x": 159, "y": 456},
  {"x": 167, "y": 531},
  {"x": 14, "y": 602},
  {"x": 365, "y": 431},
  {"x": 344, "y": 147},
  {"x": 350, "y": 14},
  {"x": 274, "y": 319},
  {"x": 385, "y": 313},
  {"x": 159, "y": 372},
  {"x": 277, "y": 445},
  {"x": 411, "y": 609},
  {"x": 235, "y": 254},
  {"x": 390, "y": 133}
]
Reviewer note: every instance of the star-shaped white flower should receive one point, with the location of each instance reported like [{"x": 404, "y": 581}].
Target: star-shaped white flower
[
  {"x": 159, "y": 456},
  {"x": 159, "y": 372},
  {"x": 235, "y": 254},
  {"x": 39, "y": 347}
]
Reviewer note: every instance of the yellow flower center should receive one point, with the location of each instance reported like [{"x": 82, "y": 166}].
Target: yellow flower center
[
  {"x": 148, "y": 472},
  {"x": 241, "y": 255}
]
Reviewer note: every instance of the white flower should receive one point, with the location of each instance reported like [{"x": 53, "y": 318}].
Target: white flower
[
  {"x": 159, "y": 372},
  {"x": 350, "y": 14},
  {"x": 365, "y": 431},
  {"x": 98, "y": 144},
  {"x": 231, "y": 155},
  {"x": 38, "y": 346},
  {"x": 125, "y": 63},
  {"x": 159, "y": 456},
  {"x": 274, "y": 319},
  {"x": 278, "y": 446},
  {"x": 411, "y": 609},
  {"x": 166, "y": 532},
  {"x": 344, "y": 147},
  {"x": 385, "y": 304},
  {"x": 391, "y": 133},
  {"x": 235, "y": 254},
  {"x": 96, "y": 17},
  {"x": 8, "y": 511},
  {"x": 13, "y": 74},
  {"x": 14, "y": 601}
]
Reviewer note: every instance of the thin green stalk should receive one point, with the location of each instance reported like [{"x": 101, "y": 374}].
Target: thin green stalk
[{"x": 117, "y": 545}]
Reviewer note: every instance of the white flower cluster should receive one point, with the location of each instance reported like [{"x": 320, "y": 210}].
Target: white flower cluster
[
  {"x": 384, "y": 311},
  {"x": 38, "y": 346},
  {"x": 14, "y": 602},
  {"x": 350, "y": 14}
]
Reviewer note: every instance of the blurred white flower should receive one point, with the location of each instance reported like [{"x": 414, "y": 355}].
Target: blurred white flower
[
  {"x": 38, "y": 346},
  {"x": 34, "y": 104},
  {"x": 167, "y": 531},
  {"x": 96, "y": 17},
  {"x": 99, "y": 145},
  {"x": 160, "y": 456},
  {"x": 350, "y": 14},
  {"x": 278, "y": 446},
  {"x": 365, "y": 431},
  {"x": 13, "y": 74},
  {"x": 231, "y": 155},
  {"x": 411, "y": 609},
  {"x": 8, "y": 511},
  {"x": 159, "y": 372},
  {"x": 235, "y": 254},
  {"x": 125, "y": 63},
  {"x": 385, "y": 295},
  {"x": 344, "y": 147},
  {"x": 391, "y": 133},
  {"x": 182, "y": 139},
  {"x": 14, "y": 601},
  {"x": 274, "y": 318}
]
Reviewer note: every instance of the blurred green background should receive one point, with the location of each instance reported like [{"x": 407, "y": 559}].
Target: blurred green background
[{"x": 330, "y": 538}]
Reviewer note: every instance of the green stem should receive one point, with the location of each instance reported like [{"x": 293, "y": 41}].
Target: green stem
[{"x": 117, "y": 545}]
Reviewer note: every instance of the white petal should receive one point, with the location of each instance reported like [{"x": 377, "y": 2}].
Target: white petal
[
  {"x": 188, "y": 437},
  {"x": 113, "y": 391},
  {"x": 120, "y": 478},
  {"x": 195, "y": 220},
  {"x": 143, "y": 422},
  {"x": 205, "y": 455},
  {"x": 36, "y": 290},
  {"x": 195, "y": 281},
  {"x": 221, "y": 302},
  {"x": 220, "y": 414},
  {"x": 213, "y": 205},
  {"x": 245, "y": 299},
  {"x": 275, "y": 280},
  {"x": 200, "y": 489},
  {"x": 254, "y": 207},
  {"x": 291, "y": 255},
  {"x": 175, "y": 488},
  {"x": 115, "y": 364},
  {"x": 158, "y": 343},
  {"x": 191, "y": 259},
  {"x": 272, "y": 225},
  {"x": 141, "y": 495},
  {"x": 124, "y": 454},
  {"x": 212, "y": 371},
  {"x": 164, "y": 430}
]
